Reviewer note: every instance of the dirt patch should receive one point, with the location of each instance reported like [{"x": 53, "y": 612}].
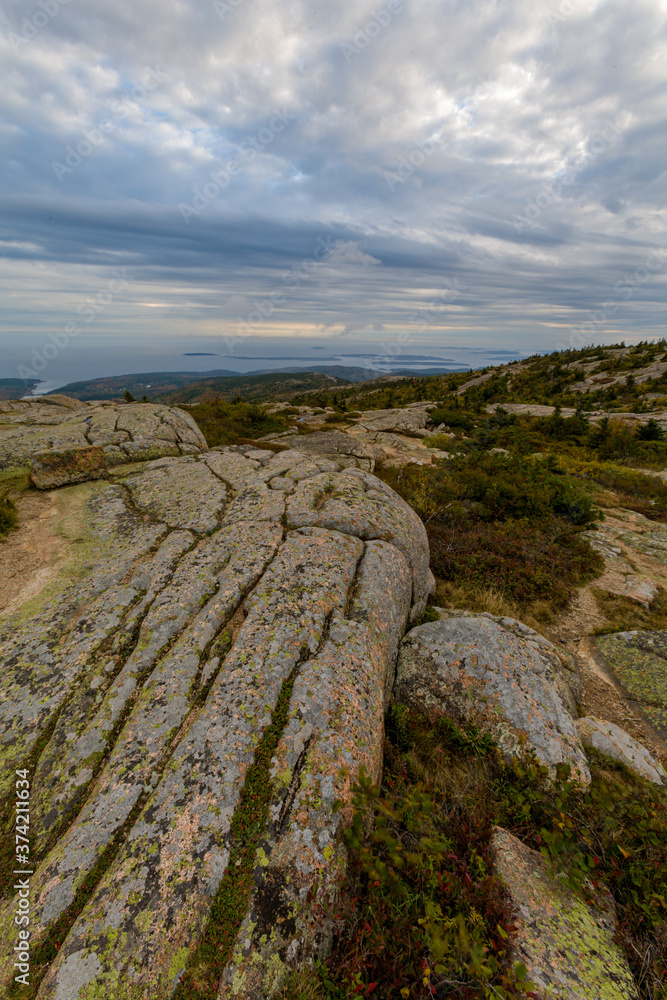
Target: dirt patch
[
  {"x": 31, "y": 554},
  {"x": 583, "y": 617}
]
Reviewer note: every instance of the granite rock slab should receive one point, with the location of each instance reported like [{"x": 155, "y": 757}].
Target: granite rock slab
[
  {"x": 126, "y": 431},
  {"x": 204, "y": 584},
  {"x": 481, "y": 671},
  {"x": 616, "y": 743},
  {"x": 568, "y": 947}
]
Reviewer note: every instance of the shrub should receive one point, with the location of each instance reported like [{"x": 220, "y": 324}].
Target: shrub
[
  {"x": 486, "y": 487},
  {"x": 635, "y": 490},
  {"x": 422, "y": 913},
  {"x": 512, "y": 526},
  {"x": 225, "y": 422},
  {"x": 8, "y": 515},
  {"x": 528, "y": 561},
  {"x": 650, "y": 431},
  {"x": 451, "y": 418}
]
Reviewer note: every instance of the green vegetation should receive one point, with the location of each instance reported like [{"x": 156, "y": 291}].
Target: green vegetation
[
  {"x": 224, "y": 422},
  {"x": 8, "y": 515},
  {"x": 542, "y": 378},
  {"x": 13, "y": 482},
  {"x": 422, "y": 913},
  {"x": 512, "y": 527},
  {"x": 623, "y": 614}
]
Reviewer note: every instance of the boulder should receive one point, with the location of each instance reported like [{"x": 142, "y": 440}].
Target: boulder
[
  {"x": 76, "y": 465},
  {"x": 336, "y": 445},
  {"x": 481, "y": 670},
  {"x": 215, "y": 594},
  {"x": 616, "y": 743},
  {"x": 412, "y": 420},
  {"x": 567, "y": 946},
  {"x": 125, "y": 431}
]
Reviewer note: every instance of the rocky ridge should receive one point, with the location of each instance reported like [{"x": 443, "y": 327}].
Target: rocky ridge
[
  {"x": 124, "y": 432},
  {"x": 224, "y": 580},
  {"x": 221, "y": 591}
]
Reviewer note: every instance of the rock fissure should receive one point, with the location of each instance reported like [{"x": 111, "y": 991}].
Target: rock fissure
[{"x": 200, "y": 704}]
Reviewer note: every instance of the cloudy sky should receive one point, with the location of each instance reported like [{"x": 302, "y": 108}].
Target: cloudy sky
[{"x": 265, "y": 177}]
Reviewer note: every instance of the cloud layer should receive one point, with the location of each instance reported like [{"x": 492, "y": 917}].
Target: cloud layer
[{"x": 273, "y": 169}]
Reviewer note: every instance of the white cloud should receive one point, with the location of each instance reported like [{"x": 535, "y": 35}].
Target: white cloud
[{"x": 511, "y": 98}]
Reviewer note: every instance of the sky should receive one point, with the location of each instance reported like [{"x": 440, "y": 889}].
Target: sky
[{"x": 252, "y": 179}]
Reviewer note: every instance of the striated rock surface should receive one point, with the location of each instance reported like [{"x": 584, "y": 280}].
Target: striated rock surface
[
  {"x": 485, "y": 670},
  {"x": 126, "y": 432},
  {"x": 567, "y": 947},
  {"x": 139, "y": 690},
  {"x": 614, "y": 741},
  {"x": 635, "y": 554}
]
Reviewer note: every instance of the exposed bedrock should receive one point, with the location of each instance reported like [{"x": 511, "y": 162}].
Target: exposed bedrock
[
  {"x": 498, "y": 674},
  {"x": 125, "y": 432},
  {"x": 140, "y": 696}
]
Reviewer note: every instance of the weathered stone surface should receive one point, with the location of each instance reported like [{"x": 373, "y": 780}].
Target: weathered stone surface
[
  {"x": 635, "y": 554},
  {"x": 126, "y": 431},
  {"x": 152, "y": 675},
  {"x": 411, "y": 420},
  {"x": 331, "y": 443},
  {"x": 616, "y": 743},
  {"x": 44, "y": 656},
  {"x": 564, "y": 669},
  {"x": 638, "y": 660},
  {"x": 357, "y": 503},
  {"x": 183, "y": 493},
  {"x": 567, "y": 946},
  {"x": 335, "y": 727},
  {"x": 477, "y": 669},
  {"x": 59, "y": 468},
  {"x": 164, "y": 702}
]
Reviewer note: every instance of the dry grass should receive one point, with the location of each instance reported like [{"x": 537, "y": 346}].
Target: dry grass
[
  {"x": 303, "y": 984},
  {"x": 468, "y": 597}
]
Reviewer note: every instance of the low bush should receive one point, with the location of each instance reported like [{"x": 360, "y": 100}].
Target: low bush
[
  {"x": 452, "y": 418},
  {"x": 635, "y": 490},
  {"x": 422, "y": 913},
  {"x": 484, "y": 486},
  {"x": 226, "y": 422},
  {"x": 8, "y": 515},
  {"x": 509, "y": 525},
  {"x": 529, "y": 561}
]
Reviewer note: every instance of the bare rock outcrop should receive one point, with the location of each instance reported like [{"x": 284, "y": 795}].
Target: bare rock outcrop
[
  {"x": 616, "y": 743},
  {"x": 567, "y": 947},
  {"x": 498, "y": 674},
  {"x": 217, "y": 588},
  {"x": 126, "y": 432}
]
